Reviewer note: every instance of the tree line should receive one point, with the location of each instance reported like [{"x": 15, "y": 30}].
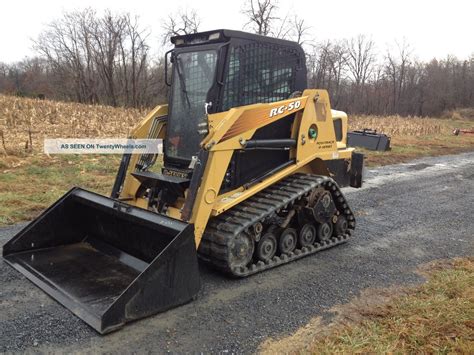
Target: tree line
[
  {"x": 89, "y": 58},
  {"x": 105, "y": 58}
]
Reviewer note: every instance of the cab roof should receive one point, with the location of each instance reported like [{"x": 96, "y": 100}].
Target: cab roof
[{"x": 224, "y": 35}]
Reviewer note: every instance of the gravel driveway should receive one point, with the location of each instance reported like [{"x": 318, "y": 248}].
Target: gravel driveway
[{"x": 407, "y": 214}]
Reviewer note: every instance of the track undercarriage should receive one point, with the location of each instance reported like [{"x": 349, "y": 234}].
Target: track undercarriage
[{"x": 298, "y": 216}]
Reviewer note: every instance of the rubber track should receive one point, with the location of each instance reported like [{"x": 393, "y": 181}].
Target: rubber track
[{"x": 225, "y": 228}]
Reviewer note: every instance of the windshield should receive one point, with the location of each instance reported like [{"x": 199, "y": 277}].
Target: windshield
[{"x": 192, "y": 78}]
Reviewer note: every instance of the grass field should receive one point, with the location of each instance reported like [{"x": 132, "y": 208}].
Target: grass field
[
  {"x": 29, "y": 184},
  {"x": 436, "y": 317},
  {"x": 30, "y": 181}
]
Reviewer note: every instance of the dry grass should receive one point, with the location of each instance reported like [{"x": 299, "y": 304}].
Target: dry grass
[
  {"x": 437, "y": 317},
  {"x": 399, "y": 126},
  {"x": 51, "y": 119},
  {"x": 460, "y": 114}
]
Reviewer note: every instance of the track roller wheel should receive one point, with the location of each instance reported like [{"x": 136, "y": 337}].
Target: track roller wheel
[
  {"x": 287, "y": 241},
  {"x": 307, "y": 235},
  {"x": 241, "y": 251},
  {"x": 266, "y": 247},
  {"x": 324, "y": 231},
  {"x": 341, "y": 226}
]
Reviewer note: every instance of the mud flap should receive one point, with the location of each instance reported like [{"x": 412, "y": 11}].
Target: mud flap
[
  {"x": 357, "y": 169},
  {"x": 107, "y": 262}
]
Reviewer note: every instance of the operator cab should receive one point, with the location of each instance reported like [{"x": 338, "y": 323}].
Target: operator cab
[{"x": 217, "y": 70}]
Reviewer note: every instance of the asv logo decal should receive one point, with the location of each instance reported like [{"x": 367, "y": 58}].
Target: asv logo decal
[{"x": 282, "y": 109}]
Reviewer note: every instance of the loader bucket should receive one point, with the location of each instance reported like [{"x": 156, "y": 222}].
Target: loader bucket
[{"x": 107, "y": 262}]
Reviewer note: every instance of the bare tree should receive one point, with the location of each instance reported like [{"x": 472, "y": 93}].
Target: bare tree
[
  {"x": 97, "y": 58},
  {"x": 260, "y": 15},
  {"x": 134, "y": 56},
  {"x": 319, "y": 65},
  {"x": 182, "y": 23},
  {"x": 282, "y": 29},
  {"x": 299, "y": 29},
  {"x": 361, "y": 57},
  {"x": 396, "y": 69},
  {"x": 107, "y": 34},
  {"x": 361, "y": 60},
  {"x": 338, "y": 63},
  {"x": 4, "y": 77},
  {"x": 54, "y": 44},
  {"x": 66, "y": 44}
]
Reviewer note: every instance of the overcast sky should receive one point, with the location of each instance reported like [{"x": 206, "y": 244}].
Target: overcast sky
[{"x": 433, "y": 28}]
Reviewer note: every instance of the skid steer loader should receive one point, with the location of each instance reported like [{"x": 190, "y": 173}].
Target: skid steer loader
[{"x": 249, "y": 179}]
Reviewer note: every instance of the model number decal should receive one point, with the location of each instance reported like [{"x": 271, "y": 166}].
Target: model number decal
[
  {"x": 175, "y": 173},
  {"x": 282, "y": 109}
]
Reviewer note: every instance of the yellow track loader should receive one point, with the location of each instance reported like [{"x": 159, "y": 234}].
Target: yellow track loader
[{"x": 249, "y": 179}]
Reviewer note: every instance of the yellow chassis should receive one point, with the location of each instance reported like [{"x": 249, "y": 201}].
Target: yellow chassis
[{"x": 228, "y": 131}]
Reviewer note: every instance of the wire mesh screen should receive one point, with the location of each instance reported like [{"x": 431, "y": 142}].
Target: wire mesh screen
[{"x": 259, "y": 73}]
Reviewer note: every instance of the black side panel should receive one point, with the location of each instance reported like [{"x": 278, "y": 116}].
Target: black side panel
[{"x": 246, "y": 165}]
